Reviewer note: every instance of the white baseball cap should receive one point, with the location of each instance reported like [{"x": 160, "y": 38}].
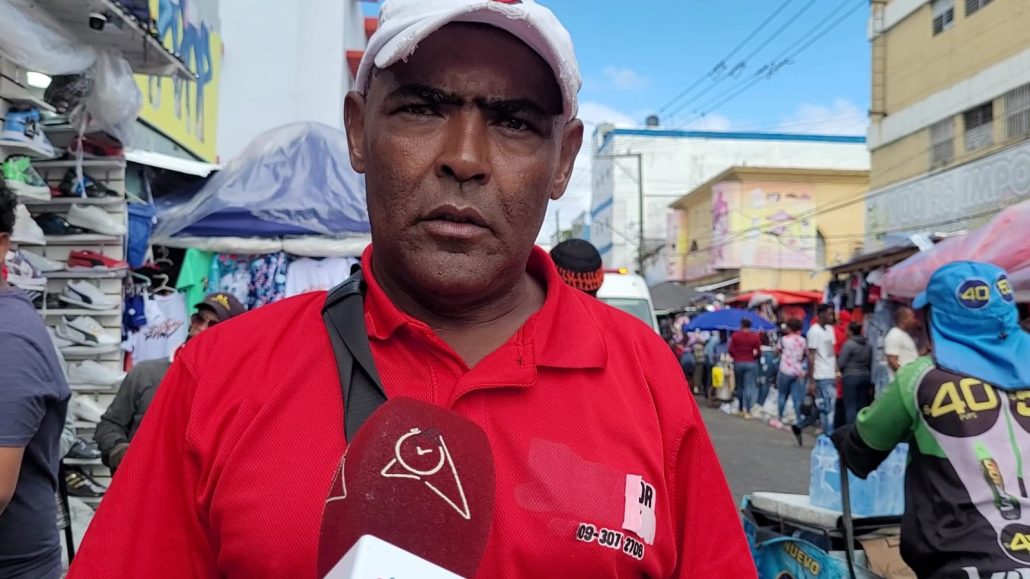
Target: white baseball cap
[{"x": 405, "y": 23}]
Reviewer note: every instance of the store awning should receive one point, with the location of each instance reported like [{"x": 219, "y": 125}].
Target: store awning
[
  {"x": 170, "y": 163},
  {"x": 1001, "y": 242},
  {"x": 717, "y": 285},
  {"x": 782, "y": 297}
]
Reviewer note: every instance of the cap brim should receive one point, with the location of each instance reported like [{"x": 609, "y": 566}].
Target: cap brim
[
  {"x": 213, "y": 309},
  {"x": 921, "y": 301}
]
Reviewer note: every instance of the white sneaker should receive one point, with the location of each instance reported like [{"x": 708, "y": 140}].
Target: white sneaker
[
  {"x": 26, "y": 230},
  {"x": 94, "y": 219},
  {"x": 59, "y": 342},
  {"x": 87, "y": 295},
  {"x": 41, "y": 263},
  {"x": 94, "y": 373},
  {"x": 85, "y": 331},
  {"x": 77, "y": 352},
  {"x": 21, "y": 274},
  {"x": 85, "y": 408}
]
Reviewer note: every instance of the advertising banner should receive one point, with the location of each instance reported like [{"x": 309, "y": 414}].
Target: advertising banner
[
  {"x": 186, "y": 111},
  {"x": 764, "y": 225}
]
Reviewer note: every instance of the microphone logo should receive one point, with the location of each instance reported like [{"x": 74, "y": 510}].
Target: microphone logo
[{"x": 423, "y": 456}]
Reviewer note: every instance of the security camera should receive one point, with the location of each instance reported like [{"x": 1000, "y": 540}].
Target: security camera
[{"x": 97, "y": 21}]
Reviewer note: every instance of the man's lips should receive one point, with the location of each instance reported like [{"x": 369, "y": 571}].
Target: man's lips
[
  {"x": 456, "y": 215},
  {"x": 449, "y": 221}
]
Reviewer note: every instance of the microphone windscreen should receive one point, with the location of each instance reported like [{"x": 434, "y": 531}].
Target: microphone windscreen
[{"x": 419, "y": 477}]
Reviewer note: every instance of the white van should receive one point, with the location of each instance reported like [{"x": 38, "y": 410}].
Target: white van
[{"x": 629, "y": 293}]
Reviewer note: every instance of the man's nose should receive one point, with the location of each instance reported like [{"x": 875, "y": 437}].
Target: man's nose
[{"x": 466, "y": 150}]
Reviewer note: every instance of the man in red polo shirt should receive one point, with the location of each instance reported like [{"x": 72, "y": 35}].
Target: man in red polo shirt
[{"x": 465, "y": 126}]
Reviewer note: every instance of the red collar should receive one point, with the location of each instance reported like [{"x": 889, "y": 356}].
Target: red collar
[{"x": 564, "y": 332}]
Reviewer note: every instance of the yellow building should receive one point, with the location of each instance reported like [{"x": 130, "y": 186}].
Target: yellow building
[
  {"x": 765, "y": 228},
  {"x": 950, "y": 114}
]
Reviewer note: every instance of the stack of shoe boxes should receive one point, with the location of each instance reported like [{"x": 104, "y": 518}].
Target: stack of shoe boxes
[{"x": 105, "y": 209}]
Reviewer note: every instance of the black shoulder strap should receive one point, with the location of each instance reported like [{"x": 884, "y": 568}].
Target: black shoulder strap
[{"x": 344, "y": 317}]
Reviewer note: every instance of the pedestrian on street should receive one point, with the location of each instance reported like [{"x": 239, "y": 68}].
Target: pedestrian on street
[
  {"x": 822, "y": 371},
  {"x": 899, "y": 345},
  {"x": 579, "y": 265},
  {"x": 33, "y": 404},
  {"x": 744, "y": 348},
  {"x": 464, "y": 125},
  {"x": 855, "y": 362},
  {"x": 964, "y": 416},
  {"x": 791, "y": 379},
  {"x": 123, "y": 417},
  {"x": 702, "y": 377}
]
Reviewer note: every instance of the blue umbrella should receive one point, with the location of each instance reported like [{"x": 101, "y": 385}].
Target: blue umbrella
[{"x": 729, "y": 320}]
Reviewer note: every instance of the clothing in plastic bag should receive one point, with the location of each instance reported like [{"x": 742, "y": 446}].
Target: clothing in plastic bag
[
  {"x": 30, "y": 37},
  {"x": 114, "y": 101}
]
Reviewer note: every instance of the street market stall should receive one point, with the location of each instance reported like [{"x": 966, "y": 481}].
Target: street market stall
[{"x": 1001, "y": 242}]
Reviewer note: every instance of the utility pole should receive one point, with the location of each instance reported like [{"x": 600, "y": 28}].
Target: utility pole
[
  {"x": 557, "y": 226},
  {"x": 640, "y": 203}
]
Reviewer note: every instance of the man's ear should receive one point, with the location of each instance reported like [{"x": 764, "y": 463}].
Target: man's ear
[
  {"x": 354, "y": 106},
  {"x": 572, "y": 140}
]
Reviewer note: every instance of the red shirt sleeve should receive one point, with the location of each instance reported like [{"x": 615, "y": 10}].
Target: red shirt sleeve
[
  {"x": 712, "y": 541},
  {"x": 709, "y": 536},
  {"x": 148, "y": 524}
]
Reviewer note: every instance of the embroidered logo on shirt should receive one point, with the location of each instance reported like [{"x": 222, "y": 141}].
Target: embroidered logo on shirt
[{"x": 422, "y": 456}]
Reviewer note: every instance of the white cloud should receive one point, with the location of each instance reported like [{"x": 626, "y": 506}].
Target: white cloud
[
  {"x": 625, "y": 78},
  {"x": 842, "y": 117},
  {"x": 596, "y": 113},
  {"x": 710, "y": 122},
  {"x": 577, "y": 197}
]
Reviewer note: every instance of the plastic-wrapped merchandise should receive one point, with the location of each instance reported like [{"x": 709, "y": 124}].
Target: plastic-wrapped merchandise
[
  {"x": 114, "y": 101},
  {"x": 31, "y": 38},
  {"x": 293, "y": 180},
  {"x": 1000, "y": 242},
  {"x": 882, "y": 493}
]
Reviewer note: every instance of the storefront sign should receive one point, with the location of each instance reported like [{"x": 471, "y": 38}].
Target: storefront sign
[
  {"x": 951, "y": 200},
  {"x": 186, "y": 111}
]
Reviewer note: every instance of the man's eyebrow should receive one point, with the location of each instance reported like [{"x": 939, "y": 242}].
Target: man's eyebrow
[
  {"x": 436, "y": 96},
  {"x": 427, "y": 94},
  {"x": 511, "y": 106}
]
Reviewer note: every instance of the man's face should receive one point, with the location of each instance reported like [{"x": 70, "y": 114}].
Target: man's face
[
  {"x": 5, "y": 244},
  {"x": 907, "y": 321},
  {"x": 826, "y": 317},
  {"x": 462, "y": 146},
  {"x": 203, "y": 319}
]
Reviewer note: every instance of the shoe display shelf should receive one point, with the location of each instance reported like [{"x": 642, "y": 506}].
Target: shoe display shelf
[
  {"x": 110, "y": 173},
  {"x": 13, "y": 93}
]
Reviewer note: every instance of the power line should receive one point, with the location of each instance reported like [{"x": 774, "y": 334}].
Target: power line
[
  {"x": 784, "y": 58},
  {"x": 721, "y": 65},
  {"x": 743, "y": 63}
]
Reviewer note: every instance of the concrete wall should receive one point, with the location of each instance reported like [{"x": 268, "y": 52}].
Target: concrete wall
[
  {"x": 675, "y": 162},
  {"x": 284, "y": 62},
  {"x": 839, "y": 217},
  {"x": 919, "y": 63},
  {"x": 929, "y": 78}
]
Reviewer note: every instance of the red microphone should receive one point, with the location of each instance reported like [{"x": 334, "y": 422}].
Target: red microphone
[{"x": 419, "y": 478}]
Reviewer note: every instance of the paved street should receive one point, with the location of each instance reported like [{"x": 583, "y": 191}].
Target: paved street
[{"x": 755, "y": 456}]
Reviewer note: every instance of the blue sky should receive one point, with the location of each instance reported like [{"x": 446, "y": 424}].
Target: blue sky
[{"x": 635, "y": 57}]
